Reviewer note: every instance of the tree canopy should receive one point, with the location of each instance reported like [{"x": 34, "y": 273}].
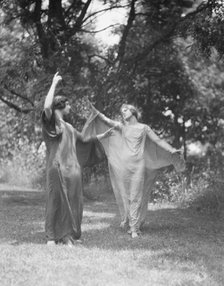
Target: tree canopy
[{"x": 168, "y": 62}]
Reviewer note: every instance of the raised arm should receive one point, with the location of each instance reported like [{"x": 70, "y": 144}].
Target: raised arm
[
  {"x": 50, "y": 96},
  {"x": 108, "y": 121},
  {"x": 163, "y": 144}
]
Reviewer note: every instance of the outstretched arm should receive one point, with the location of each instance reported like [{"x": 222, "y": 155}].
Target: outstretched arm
[
  {"x": 106, "y": 134},
  {"x": 50, "y": 96},
  {"x": 105, "y": 119},
  {"x": 163, "y": 144}
]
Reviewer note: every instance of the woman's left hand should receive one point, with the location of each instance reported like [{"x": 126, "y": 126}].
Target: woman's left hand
[
  {"x": 109, "y": 132},
  {"x": 106, "y": 134},
  {"x": 178, "y": 151}
]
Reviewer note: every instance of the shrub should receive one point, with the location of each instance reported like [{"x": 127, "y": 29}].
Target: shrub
[
  {"x": 25, "y": 167},
  {"x": 199, "y": 187}
]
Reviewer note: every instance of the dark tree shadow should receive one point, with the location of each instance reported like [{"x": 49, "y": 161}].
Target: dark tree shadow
[{"x": 173, "y": 234}]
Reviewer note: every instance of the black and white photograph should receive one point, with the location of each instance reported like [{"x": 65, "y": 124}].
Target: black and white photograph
[{"x": 112, "y": 142}]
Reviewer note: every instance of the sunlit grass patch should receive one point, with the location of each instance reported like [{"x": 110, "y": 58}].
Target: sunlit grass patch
[{"x": 177, "y": 247}]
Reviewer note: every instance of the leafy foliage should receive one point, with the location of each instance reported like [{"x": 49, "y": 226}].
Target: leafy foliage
[{"x": 168, "y": 62}]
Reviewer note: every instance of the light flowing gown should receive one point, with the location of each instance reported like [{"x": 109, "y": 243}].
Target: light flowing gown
[{"x": 133, "y": 160}]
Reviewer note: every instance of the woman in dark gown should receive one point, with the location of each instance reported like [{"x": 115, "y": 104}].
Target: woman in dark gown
[
  {"x": 134, "y": 153},
  {"x": 64, "y": 206}
]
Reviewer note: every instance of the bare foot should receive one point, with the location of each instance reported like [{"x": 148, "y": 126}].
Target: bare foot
[
  {"x": 78, "y": 241},
  {"x": 134, "y": 234},
  {"x": 51, "y": 243}
]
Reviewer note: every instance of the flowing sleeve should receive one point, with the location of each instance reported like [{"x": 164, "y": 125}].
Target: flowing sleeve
[
  {"x": 89, "y": 150},
  {"x": 97, "y": 124},
  {"x": 160, "y": 154}
]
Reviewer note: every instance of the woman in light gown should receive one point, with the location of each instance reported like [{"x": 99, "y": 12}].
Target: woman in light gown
[{"x": 135, "y": 154}]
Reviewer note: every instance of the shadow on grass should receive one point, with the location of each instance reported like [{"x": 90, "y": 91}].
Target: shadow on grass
[
  {"x": 173, "y": 238},
  {"x": 22, "y": 218},
  {"x": 171, "y": 234}
]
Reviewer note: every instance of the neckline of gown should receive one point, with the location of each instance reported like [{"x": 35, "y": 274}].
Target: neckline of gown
[{"x": 134, "y": 126}]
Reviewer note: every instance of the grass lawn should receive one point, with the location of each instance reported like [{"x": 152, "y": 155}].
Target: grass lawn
[{"x": 178, "y": 247}]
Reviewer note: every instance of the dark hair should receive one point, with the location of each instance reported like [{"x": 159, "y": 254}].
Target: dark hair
[
  {"x": 133, "y": 110},
  {"x": 59, "y": 102}
]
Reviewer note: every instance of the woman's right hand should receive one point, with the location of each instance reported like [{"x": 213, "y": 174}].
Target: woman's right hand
[{"x": 56, "y": 78}]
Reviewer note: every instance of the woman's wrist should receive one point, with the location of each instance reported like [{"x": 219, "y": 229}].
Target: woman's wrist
[
  {"x": 99, "y": 137},
  {"x": 54, "y": 83}
]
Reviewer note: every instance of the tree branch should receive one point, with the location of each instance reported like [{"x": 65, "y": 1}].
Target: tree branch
[
  {"x": 40, "y": 30},
  {"x": 103, "y": 11},
  {"x": 55, "y": 14},
  {"x": 127, "y": 28},
  {"x": 79, "y": 21},
  {"x": 167, "y": 34},
  {"x": 91, "y": 17},
  {"x": 98, "y": 31},
  {"x": 199, "y": 9},
  {"x": 147, "y": 50},
  {"x": 18, "y": 95},
  {"x": 101, "y": 57},
  {"x": 72, "y": 6},
  {"x": 14, "y": 106}
]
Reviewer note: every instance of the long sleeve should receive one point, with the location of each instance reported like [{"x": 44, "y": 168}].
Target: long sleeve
[
  {"x": 108, "y": 121},
  {"x": 160, "y": 154},
  {"x": 89, "y": 149},
  {"x": 83, "y": 138},
  {"x": 163, "y": 144}
]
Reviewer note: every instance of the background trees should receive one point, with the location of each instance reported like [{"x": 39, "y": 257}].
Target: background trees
[{"x": 168, "y": 62}]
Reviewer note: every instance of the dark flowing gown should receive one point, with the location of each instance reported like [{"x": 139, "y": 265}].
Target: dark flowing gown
[
  {"x": 66, "y": 154},
  {"x": 134, "y": 160}
]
